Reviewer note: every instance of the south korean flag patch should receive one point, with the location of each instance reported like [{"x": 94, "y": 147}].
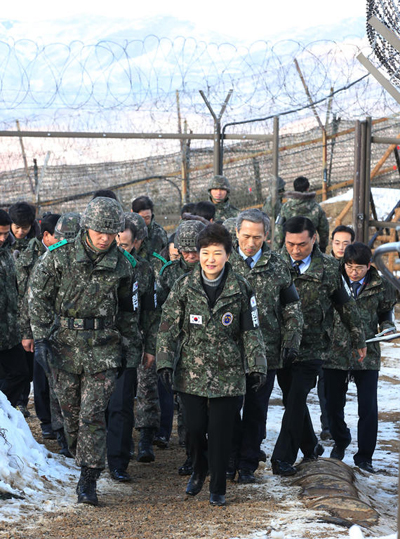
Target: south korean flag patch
[{"x": 196, "y": 319}]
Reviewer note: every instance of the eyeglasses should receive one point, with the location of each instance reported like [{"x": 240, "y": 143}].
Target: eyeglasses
[{"x": 356, "y": 269}]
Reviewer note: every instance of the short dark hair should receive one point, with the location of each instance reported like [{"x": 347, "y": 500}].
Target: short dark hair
[
  {"x": 22, "y": 214},
  {"x": 357, "y": 253},
  {"x": 107, "y": 193},
  {"x": 5, "y": 219},
  {"x": 130, "y": 226},
  {"x": 48, "y": 223},
  {"x": 188, "y": 208},
  {"x": 297, "y": 225},
  {"x": 301, "y": 184},
  {"x": 204, "y": 209},
  {"x": 344, "y": 228},
  {"x": 215, "y": 234},
  {"x": 142, "y": 203}
]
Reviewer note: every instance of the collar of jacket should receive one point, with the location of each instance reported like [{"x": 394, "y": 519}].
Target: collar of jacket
[
  {"x": 109, "y": 261},
  {"x": 262, "y": 261},
  {"x": 372, "y": 279},
  {"x": 296, "y": 195},
  {"x": 316, "y": 268},
  {"x": 230, "y": 288}
]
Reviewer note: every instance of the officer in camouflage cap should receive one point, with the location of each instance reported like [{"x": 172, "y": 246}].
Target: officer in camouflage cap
[
  {"x": 219, "y": 190},
  {"x": 68, "y": 226},
  {"x": 87, "y": 284}
]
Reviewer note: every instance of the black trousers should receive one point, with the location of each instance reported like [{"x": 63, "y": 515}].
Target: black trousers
[
  {"x": 297, "y": 431},
  {"x": 249, "y": 430},
  {"x": 41, "y": 394},
  {"x": 336, "y": 385},
  {"x": 120, "y": 421},
  {"x": 167, "y": 411},
  {"x": 24, "y": 397},
  {"x": 214, "y": 417},
  {"x": 15, "y": 373}
]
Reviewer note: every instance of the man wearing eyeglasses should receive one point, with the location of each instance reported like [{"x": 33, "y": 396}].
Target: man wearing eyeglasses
[{"x": 375, "y": 298}]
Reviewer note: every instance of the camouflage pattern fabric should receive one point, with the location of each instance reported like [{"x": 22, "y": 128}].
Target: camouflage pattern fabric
[
  {"x": 230, "y": 225},
  {"x": 168, "y": 275},
  {"x": 186, "y": 235},
  {"x": 9, "y": 325},
  {"x": 57, "y": 421},
  {"x": 281, "y": 324},
  {"x": 148, "y": 409},
  {"x": 67, "y": 282},
  {"x": 68, "y": 226},
  {"x": 305, "y": 205},
  {"x": 84, "y": 399},
  {"x": 24, "y": 266},
  {"x": 156, "y": 240},
  {"x": 375, "y": 299},
  {"x": 224, "y": 210},
  {"x": 273, "y": 211},
  {"x": 19, "y": 246},
  {"x": 216, "y": 347},
  {"x": 318, "y": 288}
]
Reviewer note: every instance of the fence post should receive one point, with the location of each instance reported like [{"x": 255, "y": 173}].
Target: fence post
[
  {"x": 275, "y": 171},
  {"x": 356, "y": 186}
]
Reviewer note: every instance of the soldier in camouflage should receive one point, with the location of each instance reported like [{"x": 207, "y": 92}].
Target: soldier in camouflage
[
  {"x": 120, "y": 412},
  {"x": 209, "y": 337},
  {"x": 68, "y": 226},
  {"x": 375, "y": 298},
  {"x": 24, "y": 226},
  {"x": 321, "y": 289},
  {"x": 156, "y": 238},
  {"x": 219, "y": 190},
  {"x": 273, "y": 210},
  {"x": 46, "y": 403},
  {"x": 87, "y": 286},
  {"x": 281, "y": 323},
  {"x": 302, "y": 202},
  {"x": 13, "y": 363}
]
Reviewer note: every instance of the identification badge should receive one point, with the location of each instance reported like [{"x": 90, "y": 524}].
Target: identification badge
[
  {"x": 227, "y": 319},
  {"x": 253, "y": 302},
  {"x": 135, "y": 286},
  {"x": 196, "y": 319}
]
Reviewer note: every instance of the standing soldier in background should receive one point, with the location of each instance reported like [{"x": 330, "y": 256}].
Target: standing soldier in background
[
  {"x": 88, "y": 285},
  {"x": 219, "y": 190},
  {"x": 12, "y": 356},
  {"x": 157, "y": 238},
  {"x": 24, "y": 226},
  {"x": 302, "y": 202},
  {"x": 281, "y": 323},
  {"x": 273, "y": 211}
]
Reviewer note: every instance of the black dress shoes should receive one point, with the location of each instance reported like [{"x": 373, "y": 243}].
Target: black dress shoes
[
  {"x": 366, "y": 466},
  {"x": 337, "y": 453},
  {"x": 186, "y": 468},
  {"x": 246, "y": 476},
  {"x": 120, "y": 475},
  {"x": 195, "y": 484},
  {"x": 217, "y": 499},
  {"x": 280, "y": 467},
  {"x": 318, "y": 451}
]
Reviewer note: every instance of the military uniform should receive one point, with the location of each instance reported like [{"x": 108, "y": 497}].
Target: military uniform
[
  {"x": 321, "y": 290},
  {"x": 12, "y": 356},
  {"x": 375, "y": 302},
  {"x": 92, "y": 294},
  {"x": 19, "y": 245},
  {"x": 281, "y": 322},
  {"x": 302, "y": 204},
  {"x": 156, "y": 240}
]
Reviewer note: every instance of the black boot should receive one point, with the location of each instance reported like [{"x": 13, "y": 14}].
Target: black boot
[
  {"x": 145, "y": 446},
  {"x": 86, "y": 487},
  {"x": 62, "y": 442}
]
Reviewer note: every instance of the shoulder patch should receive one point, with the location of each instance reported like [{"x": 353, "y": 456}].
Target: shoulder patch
[
  {"x": 58, "y": 244},
  {"x": 156, "y": 255},
  {"x": 166, "y": 265},
  {"x": 131, "y": 258}
]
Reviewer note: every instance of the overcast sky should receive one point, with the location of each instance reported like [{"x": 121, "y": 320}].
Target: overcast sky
[{"x": 248, "y": 21}]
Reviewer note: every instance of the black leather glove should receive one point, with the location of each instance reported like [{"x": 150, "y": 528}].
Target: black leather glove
[
  {"x": 165, "y": 375},
  {"x": 257, "y": 379},
  {"x": 43, "y": 354},
  {"x": 288, "y": 356}
]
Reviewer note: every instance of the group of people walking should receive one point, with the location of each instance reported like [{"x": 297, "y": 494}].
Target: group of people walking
[{"x": 115, "y": 318}]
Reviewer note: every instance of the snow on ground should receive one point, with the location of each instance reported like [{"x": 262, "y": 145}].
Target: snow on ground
[
  {"x": 47, "y": 481},
  {"x": 385, "y": 199}
]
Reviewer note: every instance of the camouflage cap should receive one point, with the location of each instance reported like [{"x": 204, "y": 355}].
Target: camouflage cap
[
  {"x": 137, "y": 223},
  {"x": 104, "y": 215},
  {"x": 68, "y": 225},
  {"x": 186, "y": 235},
  {"x": 230, "y": 225},
  {"x": 219, "y": 182}
]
